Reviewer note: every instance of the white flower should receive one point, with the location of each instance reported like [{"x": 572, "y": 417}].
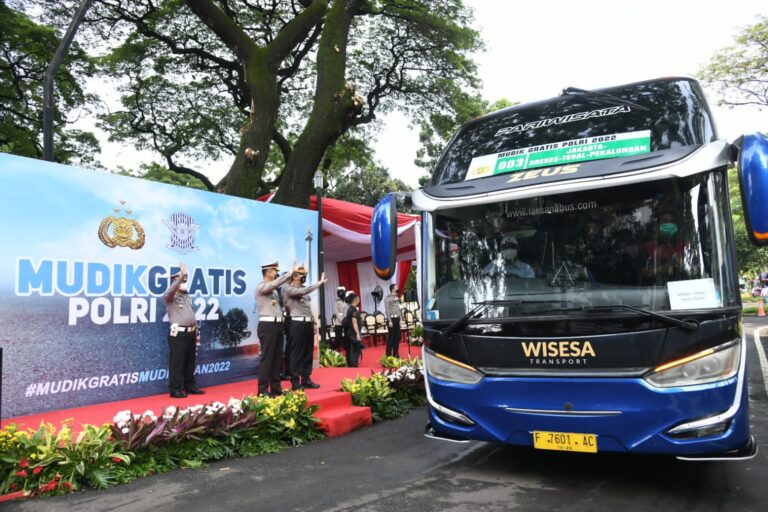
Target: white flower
[
  {"x": 169, "y": 412},
  {"x": 124, "y": 430},
  {"x": 122, "y": 417},
  {"x": 214, "y": 408}
]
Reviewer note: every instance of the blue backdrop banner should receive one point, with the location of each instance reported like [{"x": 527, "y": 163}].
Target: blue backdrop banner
[{"x": 85, "y": 259}]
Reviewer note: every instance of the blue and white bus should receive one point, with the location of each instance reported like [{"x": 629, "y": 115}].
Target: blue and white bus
[{"x": 579, "y": 284}]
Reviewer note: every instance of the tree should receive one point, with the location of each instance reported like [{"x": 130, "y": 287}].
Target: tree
[
  {"x": 251, "y": 80},
  {"x": 751, "y": 259},
  {"x": 739, "y": 73},
  {"x": 235, "y": 328},
  {"x": 156, "y": 172},
  {"x": 25, "y": 50},
  {"x": 367, "y": 185}
]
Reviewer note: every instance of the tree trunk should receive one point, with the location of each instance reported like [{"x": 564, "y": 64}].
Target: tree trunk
[
  {"x": 335, "y": 107},
  {"x": 261, "y": 65},
  {"x": 244, "y": 176}
]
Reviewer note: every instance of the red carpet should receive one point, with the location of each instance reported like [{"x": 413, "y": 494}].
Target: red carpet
[{"x": 337, "y": 414}]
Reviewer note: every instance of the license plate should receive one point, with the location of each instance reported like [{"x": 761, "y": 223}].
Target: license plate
[{"x": 565, "y": 441}]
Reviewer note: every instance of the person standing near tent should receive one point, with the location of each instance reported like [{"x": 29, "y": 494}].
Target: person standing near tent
[
  {"x": 340, "y": 311},
  {"x": 352, "y": 338},
  {"x": 392, "y": 307},
  {"x": 270, "y": 328},
  {"x": 183, "y": 338},
  {"x": 303, "y": 327}
]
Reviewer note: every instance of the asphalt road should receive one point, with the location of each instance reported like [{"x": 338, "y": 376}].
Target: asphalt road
[{"x": 391, "y": 467}]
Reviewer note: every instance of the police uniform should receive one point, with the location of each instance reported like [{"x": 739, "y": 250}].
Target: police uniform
[
  {"x": 301, "y": 337},
  {"x": 182, "y": 340},
  {"x": 392, "y": 308},
  {"x": 340, "y": 311},
  {"x": 270, "y": 331}
]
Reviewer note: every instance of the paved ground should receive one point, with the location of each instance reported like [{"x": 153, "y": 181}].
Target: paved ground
[{"x": 392, "y": 468}]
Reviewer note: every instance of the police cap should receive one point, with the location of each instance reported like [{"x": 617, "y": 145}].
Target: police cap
[{"x": 275, "y": 265}]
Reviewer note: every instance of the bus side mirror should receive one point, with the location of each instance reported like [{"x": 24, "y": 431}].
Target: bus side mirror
[
  {"x": 753, "y": 181},
  {"x": 384, "y": 236}
]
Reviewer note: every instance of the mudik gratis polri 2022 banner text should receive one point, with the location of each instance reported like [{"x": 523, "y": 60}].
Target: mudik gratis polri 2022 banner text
[{"x": 85, "y": 259}]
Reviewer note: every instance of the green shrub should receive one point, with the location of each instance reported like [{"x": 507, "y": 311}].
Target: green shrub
[
  {"x": 390, "y": 393},
  {"x": 330, "y": 358},
  {"x": 135, "y": 445},
  {"x": 417, "y": 335}
]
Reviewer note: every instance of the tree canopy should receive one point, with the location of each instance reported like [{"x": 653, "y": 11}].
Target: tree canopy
[
  {"x": 739, "y": 73},
  {"x": 271, "y": 87}
]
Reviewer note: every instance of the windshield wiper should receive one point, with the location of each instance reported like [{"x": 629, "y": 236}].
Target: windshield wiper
[
  {"x": 481, "y": 307},
  {"x": 688, "y": 326},
  {"x": 605, "y": 97},
  {"x": 476, "y": 311}
]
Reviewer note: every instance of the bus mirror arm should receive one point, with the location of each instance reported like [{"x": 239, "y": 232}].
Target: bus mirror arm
[
  {"x": 403, "y": 199},
  {"x": 735, "y": 148}
]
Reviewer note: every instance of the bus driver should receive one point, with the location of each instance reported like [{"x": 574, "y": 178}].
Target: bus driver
[{"x": 506, "y": 262}]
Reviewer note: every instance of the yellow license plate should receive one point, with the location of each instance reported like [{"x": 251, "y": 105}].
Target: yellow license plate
[{"x": 565, "y": 441}]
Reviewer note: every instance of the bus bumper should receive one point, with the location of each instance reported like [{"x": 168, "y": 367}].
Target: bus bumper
[{"x": 626, "y": 414}]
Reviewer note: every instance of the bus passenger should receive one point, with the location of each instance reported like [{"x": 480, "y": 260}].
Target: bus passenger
[
  {"x": 506, "y": 263},
  {"x": 665, "y": 251}
]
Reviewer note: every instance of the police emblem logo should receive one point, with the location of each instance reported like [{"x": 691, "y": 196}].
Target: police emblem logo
[
  {"x": 122, "y": 230},
  {"x": 183, "y": 230}
]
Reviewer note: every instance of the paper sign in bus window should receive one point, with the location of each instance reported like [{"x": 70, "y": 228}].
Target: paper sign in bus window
[
  {"x": 561, "y": 153},
  {"x": 693, "y": 294}
]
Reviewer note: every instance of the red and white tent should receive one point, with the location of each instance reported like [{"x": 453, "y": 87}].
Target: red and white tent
[{"x": 347, "y": 250}]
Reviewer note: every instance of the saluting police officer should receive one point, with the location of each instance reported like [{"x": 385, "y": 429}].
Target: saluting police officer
[
  {"x": 270, "y": 328},
  {"x": 183, "y": 338},
  {"x": 301, "y": 338},
  {"x": 340, "y": 311},
  {"x": 393, "y": 321}
]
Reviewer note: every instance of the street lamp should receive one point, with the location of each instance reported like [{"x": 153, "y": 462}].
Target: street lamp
[
  {"x": 317, "y": 180},
  {"x": 49, "y": 78}
]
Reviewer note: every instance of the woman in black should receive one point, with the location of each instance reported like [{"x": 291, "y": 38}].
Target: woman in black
[{"x": 352, "y": 326}]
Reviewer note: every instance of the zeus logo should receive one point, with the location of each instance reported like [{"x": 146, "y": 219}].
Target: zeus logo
[{"x": 558, "y": 349}]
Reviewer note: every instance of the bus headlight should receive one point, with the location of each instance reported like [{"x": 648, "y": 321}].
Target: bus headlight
[
  {"x": 445, "y": 368},
  {"x": 711, "y": 365}
]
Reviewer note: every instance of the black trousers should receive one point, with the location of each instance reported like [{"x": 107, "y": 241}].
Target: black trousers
[
  {"x": 286, "y": 360},
  {"x": 337, "y": 342},
  {"x": 393, "y": 340},
  {"x": 353, "y": 352},
  {"x": 181, "y": 361},
  {"x": 271, "y": 339},
  {"x": 301, "y": 340}
]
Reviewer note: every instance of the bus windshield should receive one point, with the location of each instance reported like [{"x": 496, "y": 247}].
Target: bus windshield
[
  {"x": 660, "y": 246},
  {"x": 623, "y": 121}
]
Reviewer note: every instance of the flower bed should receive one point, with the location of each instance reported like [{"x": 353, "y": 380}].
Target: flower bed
[
  {"x": 134, "y": 445},
  {"x": 390, "y": 393}
]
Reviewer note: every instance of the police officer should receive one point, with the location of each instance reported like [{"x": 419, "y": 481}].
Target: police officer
[
  {"x": 270, "y": 328},
  {"x": 340, "y": 312},
  {"x": 303, "y": 328},
  {"x": 183, "y": 338},
  {"x": 392, "y": 308}
]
